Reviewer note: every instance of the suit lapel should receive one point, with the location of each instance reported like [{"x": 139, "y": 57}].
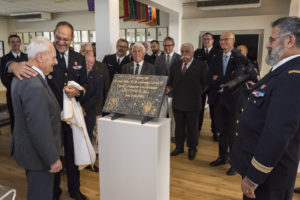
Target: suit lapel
[
  {"x": 131, "y": 67},
  {"x": 48, "y": 89}
]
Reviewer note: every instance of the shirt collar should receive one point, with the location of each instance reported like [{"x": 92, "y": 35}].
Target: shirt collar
[
  {"x": 281, "y": 62},
  {"x": 228, "y": 54},
  {"x": 171, "y": 54},
  {"x": 140, "y": 63},
  {"x": 16, "y": 54},
  {"x": 209, "y": 48},
  {"x": 38, "y": 71},
  {"x": 188, "y": 64}
]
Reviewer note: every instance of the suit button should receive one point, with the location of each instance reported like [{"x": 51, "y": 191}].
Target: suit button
[
  {"x": 254, "y": 101},
  {"x": 237, "y": 121},
  {"x": 242, "y": 110},
  {"x": 65, "y": 84},
  {"x": 236, "y": 133},
  {"x": 66, "y": 74},
  {"x": 248, "y": 98}
]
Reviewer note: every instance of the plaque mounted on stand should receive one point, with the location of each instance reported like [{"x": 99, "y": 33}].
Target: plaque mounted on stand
[{"x": 139, "y": 95}]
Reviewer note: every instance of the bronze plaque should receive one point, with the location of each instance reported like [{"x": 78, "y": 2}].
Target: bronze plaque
[{"x": 139, "y": 95}]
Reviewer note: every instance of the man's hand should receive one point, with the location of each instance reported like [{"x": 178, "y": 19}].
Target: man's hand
[
  {"x": 248, "y": 188},
  {"x": 167, "y": 90},
  {"x": 71, "y": 91},
  {"x": 215, "y": 77},
  {"x": 56, "y": 167},
  {"x": 24, "y": 69}
]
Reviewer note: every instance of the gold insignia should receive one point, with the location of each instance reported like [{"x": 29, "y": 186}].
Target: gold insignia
[
  {"x": 112, "y": 103},
  {"x": 294, "y": 72},
  {"x": 149, "y": 108},
  {"x": 260, "y": 167},
  {"x": 263, "y": 86},
  {"x": 49, "y": 77}
]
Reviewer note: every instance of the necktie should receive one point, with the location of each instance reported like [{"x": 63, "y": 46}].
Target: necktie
[
  {"x": 184, "y": 68},
  {"x": 63, "y": 61},
  {"x": 168, "y": 59},
  {"x": 118, "y": 61},
  {"x": 225, "y": 57},
  {"x": 136, "y": 72},
  {"x": 206, "y": 51},
  {"x": 18, "y": 58}
]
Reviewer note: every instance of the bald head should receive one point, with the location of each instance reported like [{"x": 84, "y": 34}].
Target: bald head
[
  {"x": 86, "y": 49},
  {"x": 243, "y": 49},
  {"x": 227, "y": 40}
]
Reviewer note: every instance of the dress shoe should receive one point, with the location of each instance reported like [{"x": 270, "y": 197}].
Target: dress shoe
[
  {"x": 95, "y": 169},
  {"x": 297, "y": 190},
  {"x": 231, "y": 172},
  {"x": 219, "y": 161},
  {"x": 192, "y": 154},
  {"x": 173, "y": 140},
  {"x": 176, "y": 152},
  {"x": 78, "y": 196}
]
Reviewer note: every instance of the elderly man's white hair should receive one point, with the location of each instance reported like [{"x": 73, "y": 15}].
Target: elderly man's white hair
[
  {"x": 40, "y": 44},
  {"x": 188, "y": 45},
  {"x": 139, "y": 45}
]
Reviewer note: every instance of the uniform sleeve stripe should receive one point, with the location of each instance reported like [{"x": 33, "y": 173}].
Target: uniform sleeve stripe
[
  {"x": 260, "y": 167},
  {"x": 294, "y": 72},
  {"x": 83, "y": 91}
]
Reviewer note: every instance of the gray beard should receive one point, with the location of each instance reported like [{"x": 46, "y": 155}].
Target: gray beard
[{"x": 275, "y": 55}]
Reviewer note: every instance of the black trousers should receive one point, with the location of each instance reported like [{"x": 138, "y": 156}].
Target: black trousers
[
  {"x": 90, "y": 121},
  {"x": 225, "y": 120},
  {"x": 211, "y": 114},
  {"x": 40, "y": 184},
  {"x": 10, "y": 111},
  {"x": 186, "y": 127},
  {"x": 73, "y": 174}
]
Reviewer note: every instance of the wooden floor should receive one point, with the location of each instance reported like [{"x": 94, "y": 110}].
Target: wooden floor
[{"x": 190, "y": 180}]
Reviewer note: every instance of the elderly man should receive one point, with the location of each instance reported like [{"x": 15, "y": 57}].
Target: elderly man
[
  {"x": 266, "y": 151},
  {"x": 224, "y": 67},
  {"x": 115, "y": 61},
  {"x": 92, "y": 97},
  {"x": 17, "y": 55},
  {"x": 37, "y": 139},
  {"x": 138, "y": 66},
  {"x": 187, "y": 79},
  {"x": 206, "y": 54},
  {"x": 71, "y": 66},
  {"x": 101, "y": 70}
]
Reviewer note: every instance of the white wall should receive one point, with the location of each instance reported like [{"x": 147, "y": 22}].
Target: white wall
[
  {"x": 192, "y": 27},
  {"x": 3, "y": 36}
]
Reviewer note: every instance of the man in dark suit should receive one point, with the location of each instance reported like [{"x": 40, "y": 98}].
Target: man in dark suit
[
  {"x": 138, "y": 66},
  {"x": 102, "y": 72},
  {"x": 206, "y": 54},
  {"x": 224, "y": 68},
  {"x": 71, "y": 66},
  {"x": 162, "y": 64},
  {"x": 266, "y": 151},
  {"x": 155, "y": 48},
  {"x": 36, "y": 143},
  {"x": 187, "y": 78},
  {"x": 147, "y": 57},
  {"x": 115, "y": 61},
  {"x": 17, "y": 55},
  {"x": 92, "y": 97}
]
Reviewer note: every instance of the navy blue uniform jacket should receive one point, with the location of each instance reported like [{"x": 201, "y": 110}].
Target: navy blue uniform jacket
[{"x": 267, "y": 146}]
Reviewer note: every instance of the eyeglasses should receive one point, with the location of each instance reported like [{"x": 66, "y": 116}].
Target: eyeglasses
[
  {"x": 168, "y": 45},
  {"x": 122, "y": 47},
  {"x": 57, "y": 38},
  {"x": 208, "y": 39},
  {"x": 271, "y": 39},
  {"x": 225, "y": 39}
]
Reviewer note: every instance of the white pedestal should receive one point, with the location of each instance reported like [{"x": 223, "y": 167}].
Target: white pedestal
[{"x": 134, "y": 159}]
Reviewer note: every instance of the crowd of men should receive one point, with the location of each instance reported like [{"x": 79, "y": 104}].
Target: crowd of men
[{"x": 256, "y": 126}]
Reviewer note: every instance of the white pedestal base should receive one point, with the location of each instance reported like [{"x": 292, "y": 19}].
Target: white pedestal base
[{"x": 134, "y": 159}]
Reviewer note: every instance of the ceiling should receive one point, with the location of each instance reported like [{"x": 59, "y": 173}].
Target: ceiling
[
  {"x": 16, "y": 6},
  {"x": 268, "y": 7}
]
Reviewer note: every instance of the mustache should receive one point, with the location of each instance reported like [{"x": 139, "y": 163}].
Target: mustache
[{"x": 187, "y": 57}]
